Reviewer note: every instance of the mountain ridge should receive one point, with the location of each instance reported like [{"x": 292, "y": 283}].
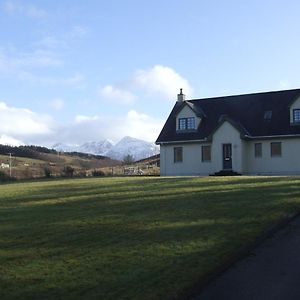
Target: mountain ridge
[{"x": 137, "y": 148}]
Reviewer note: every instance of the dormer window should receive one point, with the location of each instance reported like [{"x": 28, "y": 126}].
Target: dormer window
[
  {"x": 296, "y": 115},
  {"x": 186, "y": 123}
]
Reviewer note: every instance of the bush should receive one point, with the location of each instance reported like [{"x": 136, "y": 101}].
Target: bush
[
  {"x": 98, "y": 173},
  {"x": 47, "y": 172},
  {"x": 4, "y": 177},
  {"x": 68, "y": 171}
]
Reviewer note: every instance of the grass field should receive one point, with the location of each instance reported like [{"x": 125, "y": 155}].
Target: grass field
[{"x": 130, "y": 238}]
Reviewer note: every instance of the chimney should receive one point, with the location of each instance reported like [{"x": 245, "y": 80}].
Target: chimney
[{"x": 181, "y": 96}]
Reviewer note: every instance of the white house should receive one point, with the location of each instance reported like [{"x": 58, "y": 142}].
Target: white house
[{"x": 248, "y": 134}]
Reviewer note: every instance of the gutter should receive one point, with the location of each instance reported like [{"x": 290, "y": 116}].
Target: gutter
[
  {"x": 177, "y": 142},
  {"x": 271, "y": 136}
]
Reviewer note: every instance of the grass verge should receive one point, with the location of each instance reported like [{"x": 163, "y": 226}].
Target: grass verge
[{"x": 130, "y": 238}]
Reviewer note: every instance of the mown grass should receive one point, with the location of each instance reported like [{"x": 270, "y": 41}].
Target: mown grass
[{"x": 130, "y": 238}]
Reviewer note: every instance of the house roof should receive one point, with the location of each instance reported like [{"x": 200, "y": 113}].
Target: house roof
[{"x": 246, "y": 112}]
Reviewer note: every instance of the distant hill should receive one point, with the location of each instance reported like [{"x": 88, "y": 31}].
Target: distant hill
[{"x": 33, "y": 161}]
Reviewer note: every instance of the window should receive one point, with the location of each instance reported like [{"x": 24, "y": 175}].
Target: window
[
  {"x": 186, "y": 123},
  {"x": 190, "y": 123},
  {"x": 296, "y": 115},
  {"x": 268, "y": 115},
  {"x": 177, "y": 154},
  {"x": 182, "y": 124},
  {"x": 258, "y": 150},
  {"x": 276, "y": 149},
  {"x": 206, "y": 153}
]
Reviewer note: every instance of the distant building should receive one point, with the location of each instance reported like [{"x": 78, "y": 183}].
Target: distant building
[{"x": 4, "y": 166}]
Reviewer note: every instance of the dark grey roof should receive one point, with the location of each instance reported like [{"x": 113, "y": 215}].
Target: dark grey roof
[{"x": 245, "y": 112}]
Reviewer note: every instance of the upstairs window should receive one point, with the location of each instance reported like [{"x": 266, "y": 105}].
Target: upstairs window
[
  {"x": 186, "y": 123},
  {"x": 296, "y": 115},
  {"x": 178, "y": 154}
]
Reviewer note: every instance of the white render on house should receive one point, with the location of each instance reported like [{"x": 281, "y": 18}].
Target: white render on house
[{"x": 231, "y": 148}]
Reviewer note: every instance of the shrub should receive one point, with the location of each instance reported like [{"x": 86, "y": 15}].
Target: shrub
[
  {"x": 68, "y": 171},
  {"x": 4, "y": 177},
  {"x": 98, "y": 173},
  {"x": 47, "y": 172}
]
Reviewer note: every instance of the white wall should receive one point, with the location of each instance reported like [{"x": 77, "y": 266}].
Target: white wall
[
  {"x": 192, "y": 161},
  {"x": 227, "y": 134},
  {"x": 287, "y": 164}
]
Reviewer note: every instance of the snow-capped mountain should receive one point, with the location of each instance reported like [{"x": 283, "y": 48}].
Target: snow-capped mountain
[
  {"x": 138, "y": 149},
  {"x": 61, "y": 147},
  {"x": 99, "y": 148}
]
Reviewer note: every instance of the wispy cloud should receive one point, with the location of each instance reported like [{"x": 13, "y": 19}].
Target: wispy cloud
[
  {"x": 22, "y": 66},
  {"x": 12, "y": 62},
  {"x": 57, "y": 103},
  {"x": 116, "y": 95},
  {"x": 28, "y": 10}
]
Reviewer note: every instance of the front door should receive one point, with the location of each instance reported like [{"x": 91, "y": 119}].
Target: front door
[{"x": 227, "y": 157}]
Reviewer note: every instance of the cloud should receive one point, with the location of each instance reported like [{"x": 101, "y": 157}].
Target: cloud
[
  {"x": 95, "y": 128},
  {"x": 57, "y": 103},
  {"x": 28, "y": 10},
  {"x": 82, "y": 118},
  {"x": 116, "y": 95},
  {"x": 163, "y": 80},
  {"x": 158, "y": 80},
  {"x": 38, "y": 58},
  {"x": 18, "y": 64},
  {"x": 7, "y": 140},
  {"x": 21, "y": 66},
  {"x": 78, "y": 31},
  {"x": 142, "y": 126},
  {"x": 24, "y": 124}
]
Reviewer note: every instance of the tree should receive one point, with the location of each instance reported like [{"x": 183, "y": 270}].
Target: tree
[{"x": 128, "y": 159}]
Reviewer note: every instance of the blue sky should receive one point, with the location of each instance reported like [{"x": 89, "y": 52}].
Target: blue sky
[{"x": 75, "y": 71}]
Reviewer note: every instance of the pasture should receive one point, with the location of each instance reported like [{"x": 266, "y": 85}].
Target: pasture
[{"x": 130, "y": 238}]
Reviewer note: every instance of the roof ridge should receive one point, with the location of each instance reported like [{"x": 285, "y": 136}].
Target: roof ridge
[{"x": 240, "y": 95}]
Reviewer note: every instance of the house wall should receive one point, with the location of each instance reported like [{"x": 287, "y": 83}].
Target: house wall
[
  {"x": 287, "y": 164},
  {"x": 192, "y": 157},
  {"x": 227, "y": 134},
  {"x": 187, "y": 112},
  {"x": 243, "y": 159},
  {"x": 192, "y": 161}
]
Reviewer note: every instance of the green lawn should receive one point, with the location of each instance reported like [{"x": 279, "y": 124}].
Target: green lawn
[{"x": 130, "y": 238}]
